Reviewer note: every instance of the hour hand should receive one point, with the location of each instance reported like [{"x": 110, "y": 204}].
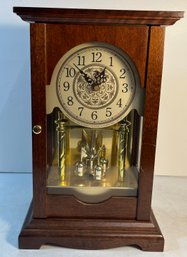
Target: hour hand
[
  {"x": 100, "y": 77},
  {"x": 89, "y": 80}
]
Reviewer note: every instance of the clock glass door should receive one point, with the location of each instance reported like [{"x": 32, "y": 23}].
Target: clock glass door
[{"x": 94, "y": 124}]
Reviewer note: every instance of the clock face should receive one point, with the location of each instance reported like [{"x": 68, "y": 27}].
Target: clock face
[{"x": 95, "y": 84}]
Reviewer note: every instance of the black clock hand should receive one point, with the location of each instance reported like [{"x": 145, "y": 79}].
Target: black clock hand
[
  {"x": 100, "y": 77},
  {"x": 89, "y": 80}
]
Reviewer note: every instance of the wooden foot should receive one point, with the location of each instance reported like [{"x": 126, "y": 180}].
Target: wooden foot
[{"x": 90, "y": 233}]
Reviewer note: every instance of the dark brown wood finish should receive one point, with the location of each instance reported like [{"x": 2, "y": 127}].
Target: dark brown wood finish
[
  {"x": 115, "y": 207},
  {"x": 63, "y": 220},
  {"x": 87, "y": 16},
  {"x": 39, "y": 142},
  {"x": 63, "y": 37},
  {"x": 91, "y": 233},
  {"x": 153, "y": 84}
]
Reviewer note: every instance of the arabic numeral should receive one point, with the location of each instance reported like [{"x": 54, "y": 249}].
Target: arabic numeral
[
  {"x": 119, "y": 103},
  {"x": 70, "y": 100},
  {"x": 94, "y": 115},
  {"x": 81, "y": 110},
  {"x": 96, "y": 57},
  {"x": 81, "y": 60},
  {"x": 125, "y": 88},
  {"x": 123, "y": 72},
  {"x": 111, "y": 61},
  {"x": 66, "y": 86},
  {"x": 70, "y": 72},
  {"x": 108, "y": 112}
]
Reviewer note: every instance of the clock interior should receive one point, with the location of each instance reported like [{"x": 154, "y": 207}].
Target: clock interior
[
  {"x": 94, "y": 105},
  {"x": 93, "y": 164}
]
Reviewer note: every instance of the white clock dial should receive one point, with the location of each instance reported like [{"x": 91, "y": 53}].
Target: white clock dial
[{"x": 95, "y": 83}]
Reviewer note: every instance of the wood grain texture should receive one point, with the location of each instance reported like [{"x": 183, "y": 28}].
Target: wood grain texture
[
  {"x": 90, "y": 233},
  {"x": 88, "y": 16},
  {"x": 153, "y": 87},
  {"x": 60, "y": 38},
  {"x": 38, "y": 82},
  {"x": 69, "y": 206}
]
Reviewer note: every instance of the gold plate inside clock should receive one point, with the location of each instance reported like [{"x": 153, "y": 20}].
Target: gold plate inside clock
[
  {"x": 92, "y": 191},
  {"x": 93, "y": 164}
]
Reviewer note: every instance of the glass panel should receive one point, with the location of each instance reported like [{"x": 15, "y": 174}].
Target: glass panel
[{"x": 93, "y": 164}]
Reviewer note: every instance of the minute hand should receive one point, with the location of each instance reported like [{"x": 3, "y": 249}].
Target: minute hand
[
  {"x": 85, "y": 76},
  {"x": 100, "y": 77}
]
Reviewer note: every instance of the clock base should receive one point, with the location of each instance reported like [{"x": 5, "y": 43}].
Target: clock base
[{"x": 90, "y": 233}]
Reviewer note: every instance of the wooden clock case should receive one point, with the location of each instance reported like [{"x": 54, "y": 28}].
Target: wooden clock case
[{"x": 118, "y": 221}]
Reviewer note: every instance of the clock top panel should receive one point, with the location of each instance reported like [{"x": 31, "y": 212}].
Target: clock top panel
[
  {"x": 131, "y": 40},
  {"x": 96, "y": 16}
]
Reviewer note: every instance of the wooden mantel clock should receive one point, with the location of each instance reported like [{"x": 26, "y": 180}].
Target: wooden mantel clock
[{"x": 96, "y": 77}]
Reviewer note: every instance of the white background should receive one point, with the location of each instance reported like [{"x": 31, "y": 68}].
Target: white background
[{"x": 15, "y": 117}]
